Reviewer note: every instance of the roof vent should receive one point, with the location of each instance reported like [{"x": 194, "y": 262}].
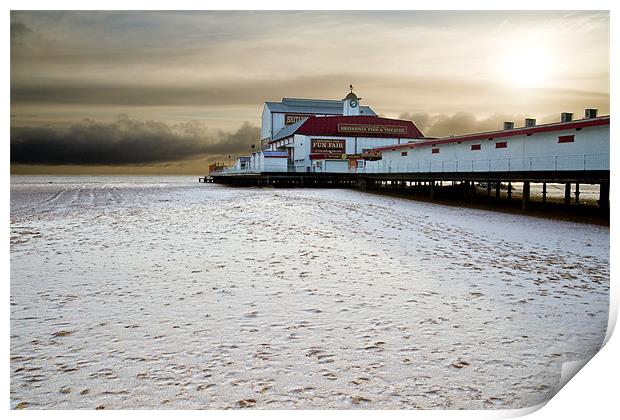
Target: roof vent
[
  {"x": 567, "y": 116},
  {"x": 509, "y": 125},
  {"x": 530, "y": 122},
  {"x": 591, "y": 112}
]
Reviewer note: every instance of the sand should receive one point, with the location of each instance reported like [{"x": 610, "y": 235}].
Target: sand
[{"x": 159, "y": 292}]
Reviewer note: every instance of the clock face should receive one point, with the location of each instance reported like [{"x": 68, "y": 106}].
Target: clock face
[{"x": 353, "y": 103}]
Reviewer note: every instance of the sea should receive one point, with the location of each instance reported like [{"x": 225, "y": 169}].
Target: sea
[{"x": 157, "y": 292}]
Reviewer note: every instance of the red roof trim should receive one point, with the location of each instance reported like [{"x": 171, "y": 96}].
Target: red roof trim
[{"x": 591, "y": 122}]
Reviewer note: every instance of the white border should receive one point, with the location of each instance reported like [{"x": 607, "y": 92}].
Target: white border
[{"x": 593, "y": 393}]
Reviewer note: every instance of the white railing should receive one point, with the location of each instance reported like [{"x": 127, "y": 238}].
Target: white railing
[
  {"x": 232, "y": 171},
  {"x": 534, "y": 163},
  {"x": 514, "y": 164}
]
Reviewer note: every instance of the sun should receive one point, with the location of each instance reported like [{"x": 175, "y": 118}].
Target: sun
[{"x": 527, "y": 67}]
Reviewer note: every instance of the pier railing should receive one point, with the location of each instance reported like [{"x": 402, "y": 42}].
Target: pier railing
[
  {"x": 583, "y": 162},
  {"x": 576, "y": 162},
  {"x": 233, "y": 171}
]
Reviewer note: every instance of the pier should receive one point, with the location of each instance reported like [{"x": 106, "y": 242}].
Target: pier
[
  {"x": 504, "y": 187},
  {"x": 541, "y": 165}
]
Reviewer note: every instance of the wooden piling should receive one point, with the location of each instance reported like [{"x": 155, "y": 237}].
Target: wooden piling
[
  {"x": 567, "y": 193},
  {"x": 577, "y": 193},
  {"x": 603, "y": 201},
  {"x": 526, "y": 195}
]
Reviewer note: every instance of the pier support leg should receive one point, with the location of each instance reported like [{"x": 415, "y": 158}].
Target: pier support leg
[
  {"x": 466, "y": 190},
  {"x": 497, "y": 190},
  {"x": 509, "y": 191},
  {"x": 567, "y": 193},
  {"x": 489, "y": 188},
  {"x": 577, "y": 193},
  {"x": 526, "y": 195},
  {"x": 432, "y": 183},
  {"x": 544, "y": 192},
  {"x": 603, "y": 200}
]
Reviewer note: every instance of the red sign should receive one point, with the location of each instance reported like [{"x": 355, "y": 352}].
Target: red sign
[
  {"x": 372, "y": 129},
  {"x": 332, "y": 148}
]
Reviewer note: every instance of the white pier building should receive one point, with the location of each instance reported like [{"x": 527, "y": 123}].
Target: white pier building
[
  {"x": 343, "y": 136},
  {"x": 320, "y": 135},
  {"x": 568, "y": 145}
]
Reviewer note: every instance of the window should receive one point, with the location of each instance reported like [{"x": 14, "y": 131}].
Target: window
[
  {"x": 435, "y": 150},
  {"x": 475, "y": 147},
  {"x": 403, "y": 153},
  {"x": 501, "y": 145},
  {"x": 566, "y": 139}
]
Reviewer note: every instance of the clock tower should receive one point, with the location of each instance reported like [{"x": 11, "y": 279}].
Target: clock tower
[{"x": 351, "y": 104}]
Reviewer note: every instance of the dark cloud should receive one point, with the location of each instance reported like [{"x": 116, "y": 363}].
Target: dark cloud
[
  {"x": 19, "y": 32},
  {"x": 125, "y": 142}
]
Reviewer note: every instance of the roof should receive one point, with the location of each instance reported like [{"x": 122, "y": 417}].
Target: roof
[
  {"x": 313, "y": 106},
  {"x": 352, "y": 126},
  {"x": 289, "y": 129},
  {"x": 542, "y": 128},
  {"x": 244, "y": 158}
]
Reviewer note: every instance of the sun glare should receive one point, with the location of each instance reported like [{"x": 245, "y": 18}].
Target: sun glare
[{"x": 527, "y": 67}]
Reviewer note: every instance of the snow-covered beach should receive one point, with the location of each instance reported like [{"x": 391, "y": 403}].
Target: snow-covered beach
[{"x": 159, "y": 292}]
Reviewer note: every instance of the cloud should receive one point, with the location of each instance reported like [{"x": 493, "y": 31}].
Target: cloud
[
  {"x": 442, "y": 125},
  {"x": 180, "y": 92},
  {"x": 221, "y": 66},
  {"x": 19, "y": 33},
  {"x": 125, "y": 141}
]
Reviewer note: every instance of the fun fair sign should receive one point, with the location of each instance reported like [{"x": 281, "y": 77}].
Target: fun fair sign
[{"x": 328, "y": 147}]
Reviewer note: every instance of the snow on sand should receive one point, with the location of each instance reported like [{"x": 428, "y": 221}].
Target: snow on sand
[{"x": 165, "y": 293}]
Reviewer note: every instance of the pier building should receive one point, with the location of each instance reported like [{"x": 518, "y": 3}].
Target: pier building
[
  {"x": 328, "y": 135},
  {"x": 343, "y": 144},
  {"x": 568, "y": 145}
]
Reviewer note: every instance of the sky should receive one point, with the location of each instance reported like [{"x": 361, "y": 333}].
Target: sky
[{"x": 170, "y": 92}]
